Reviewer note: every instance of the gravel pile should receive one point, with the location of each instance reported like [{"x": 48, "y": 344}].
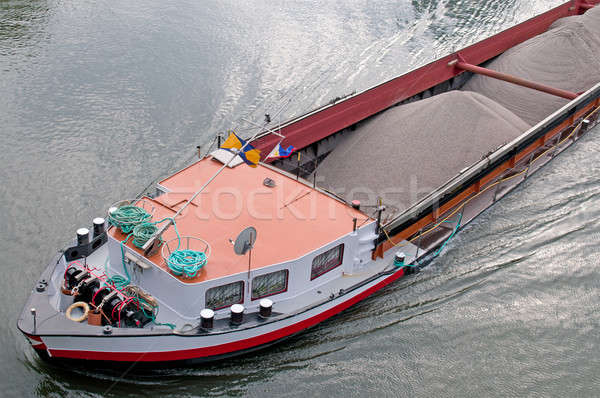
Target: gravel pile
[
  {"x": 567, "y": 56},
  {"x": 406, "y": 152}
]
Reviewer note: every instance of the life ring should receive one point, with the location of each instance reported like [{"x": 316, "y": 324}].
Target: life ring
[{"x": 83, "y": 306}]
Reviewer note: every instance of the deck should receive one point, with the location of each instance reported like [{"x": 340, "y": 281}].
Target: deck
[{"x": 291, "y": 218}]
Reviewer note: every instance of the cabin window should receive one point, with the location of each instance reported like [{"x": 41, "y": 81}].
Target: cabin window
[
  {"x": 269, "y": 284},
  {"x": 327, "y": 261},
  {"x": 224, "y": 296}
]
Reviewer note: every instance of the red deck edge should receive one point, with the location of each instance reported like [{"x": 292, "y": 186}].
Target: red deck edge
[
  {"x": 323, "y": 123},
  {"x": 207, "y": 352}
]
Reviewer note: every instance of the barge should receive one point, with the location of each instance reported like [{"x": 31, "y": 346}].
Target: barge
[{"x": 221, "y": 259}]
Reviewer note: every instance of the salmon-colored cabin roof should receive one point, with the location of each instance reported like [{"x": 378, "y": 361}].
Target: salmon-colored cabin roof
[{"x": 291, "y": 218}]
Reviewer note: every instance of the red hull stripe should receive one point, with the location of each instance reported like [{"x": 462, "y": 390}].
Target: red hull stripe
[
  {"x": 223, "y": 348},
  {"x": 36, "y": 342}
]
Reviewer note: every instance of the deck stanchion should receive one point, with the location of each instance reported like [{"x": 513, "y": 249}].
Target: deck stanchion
[{"x": 298, "y": 169}]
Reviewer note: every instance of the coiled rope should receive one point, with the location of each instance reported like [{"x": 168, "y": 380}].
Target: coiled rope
[
  {"x": 186, "y": 262},
  {"x": 134, "y": 221},
  {"x": 142, "y": 232},
  {"x": 181, "y": 262},
  {"x": 127, "y": 217}
]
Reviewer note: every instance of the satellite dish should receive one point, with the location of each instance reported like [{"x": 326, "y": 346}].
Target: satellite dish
[{"x": 245, "y": 241}]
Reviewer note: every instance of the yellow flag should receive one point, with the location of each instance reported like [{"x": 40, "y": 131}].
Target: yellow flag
[
  {"x": 232, "y": 142},
  {"x": 249, "y": 154}
]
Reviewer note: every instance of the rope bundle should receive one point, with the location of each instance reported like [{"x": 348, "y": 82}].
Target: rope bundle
[
  {"x": 135, "y": 222},
  {"x": 127, "y": 217},
  {"x": 186, "y": 262},
  {"x": 142, "y": 232}
]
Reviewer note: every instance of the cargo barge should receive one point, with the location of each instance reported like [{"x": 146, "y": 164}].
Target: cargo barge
[{"x": 222, "y": 259}]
